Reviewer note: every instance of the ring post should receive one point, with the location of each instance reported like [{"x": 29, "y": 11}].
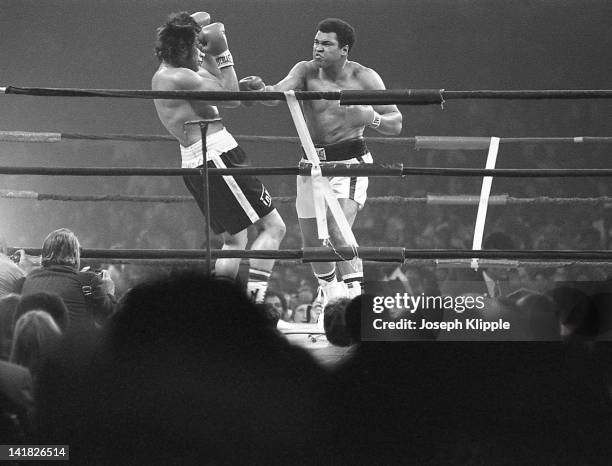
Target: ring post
[{"x": 203, "y": 124}]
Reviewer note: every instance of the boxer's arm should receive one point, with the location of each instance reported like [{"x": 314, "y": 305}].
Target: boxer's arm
[
  {"x": 294, "y": 81},
  {"x": 188, "y": 80},
  {"x": 218, "y": 59},
  {"x": 225, "y": 77},
  {"x": 387, "y": 118}
]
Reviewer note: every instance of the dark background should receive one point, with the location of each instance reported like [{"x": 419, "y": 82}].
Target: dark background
[{"x": 456, "y": 45}]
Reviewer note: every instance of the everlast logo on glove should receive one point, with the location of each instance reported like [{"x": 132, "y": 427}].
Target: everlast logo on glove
[
  {"x": 224, "y": 60},
  {"x": 214, "y": 42}
]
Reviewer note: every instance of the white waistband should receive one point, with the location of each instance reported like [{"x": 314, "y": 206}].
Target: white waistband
[
  {"x": 216, "y": 144},
  {"x": 365, "y": 158}
]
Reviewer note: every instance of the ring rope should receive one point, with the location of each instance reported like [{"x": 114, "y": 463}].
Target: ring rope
[
  {"x": 346, "y": 97},
  {"x": 482, "y": 143},
  {"x": 430, "y": 199},
  {"x": 440, "y": 263},
  {"x": 330, "y": 169},
  {"x": 420, "y": 142},
  {"x": 323, "y": 254}
]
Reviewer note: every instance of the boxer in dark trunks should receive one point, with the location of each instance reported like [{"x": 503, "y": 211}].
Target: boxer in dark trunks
[{"x": 194, "y": 55}]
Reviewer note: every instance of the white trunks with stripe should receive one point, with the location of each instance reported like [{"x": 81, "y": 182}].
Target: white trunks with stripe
[
  {"x": 344, "y": 187},
  {"x": 216, "y": 143}
]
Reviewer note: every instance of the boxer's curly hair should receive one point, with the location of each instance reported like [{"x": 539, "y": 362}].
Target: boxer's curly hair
[
  {"x": 176, "y": 38},
  {"x": 344, "y": 31}
]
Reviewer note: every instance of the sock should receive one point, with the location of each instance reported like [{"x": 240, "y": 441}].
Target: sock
[
  {"x": 257, "y": 285},
  {"x": 326, "y": 278},
  {"x": 354, "y": 283}
]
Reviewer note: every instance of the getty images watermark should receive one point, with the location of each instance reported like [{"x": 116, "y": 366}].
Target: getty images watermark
[
  {"x": 405, "y": 303},
  {"x": 395, "y": 310}
]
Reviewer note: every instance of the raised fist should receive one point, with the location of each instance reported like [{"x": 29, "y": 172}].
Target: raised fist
[
  {"x": 214, "y": 43},
  {"x": 202, "y": 18}
]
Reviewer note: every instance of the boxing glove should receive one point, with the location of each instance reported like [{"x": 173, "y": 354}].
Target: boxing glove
[
  {"x": 202, "y": 18},
  {"x": 215, "y": 44},
  {"x": 362, "y": 115},
  {"x": 249, "y": 84}
]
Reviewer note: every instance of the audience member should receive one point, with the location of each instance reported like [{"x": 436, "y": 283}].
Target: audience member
[
  {"x": 545, "y": 397},
  {"x": 278, "y": 303},
  {"x": 189, "y": 363},
  {"x": 11, "y": 275},
  {"x": 353, "y": 316},
  {"x": 540, "y": 317},
  {"x": 88, "y": 296},
  {"x": 8, "y": 306},
  {"x": 16, "y": 403},
  {"x": 270, "y": 315},
  {"x": 303, "y": 295},
  {"x": 44, "y": 301},
  {"x": 334, "y": 323},
  {"x": 301, "y": 314},
  {"x": 34, "y": 336},
  {"x": 577, "y": 314},
  {"x": 602, "y": 302}
]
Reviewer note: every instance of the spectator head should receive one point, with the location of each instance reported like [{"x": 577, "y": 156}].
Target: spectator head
[
  {"x": 45, "y": 301},
  {"x": 541, "y": 317},
  {"x": 184, "y": 313},
  {"x": 35, "y": 332},
  {"x": 305, "y": 294},
  {"x": 542, "y": 279},
  {"x": 301, "y": 314},
  {"x": 576, "y": 313},
  {"x": 276, "y": 302},
  {"x": 61, "y": 247},
  {"x": 334, "y": 323},
  {"x": 270, "y": 314},
  {"x": 8, "y": 306}
]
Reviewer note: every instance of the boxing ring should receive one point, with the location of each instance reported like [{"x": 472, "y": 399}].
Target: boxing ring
[{"x": 393, "y": 254}]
